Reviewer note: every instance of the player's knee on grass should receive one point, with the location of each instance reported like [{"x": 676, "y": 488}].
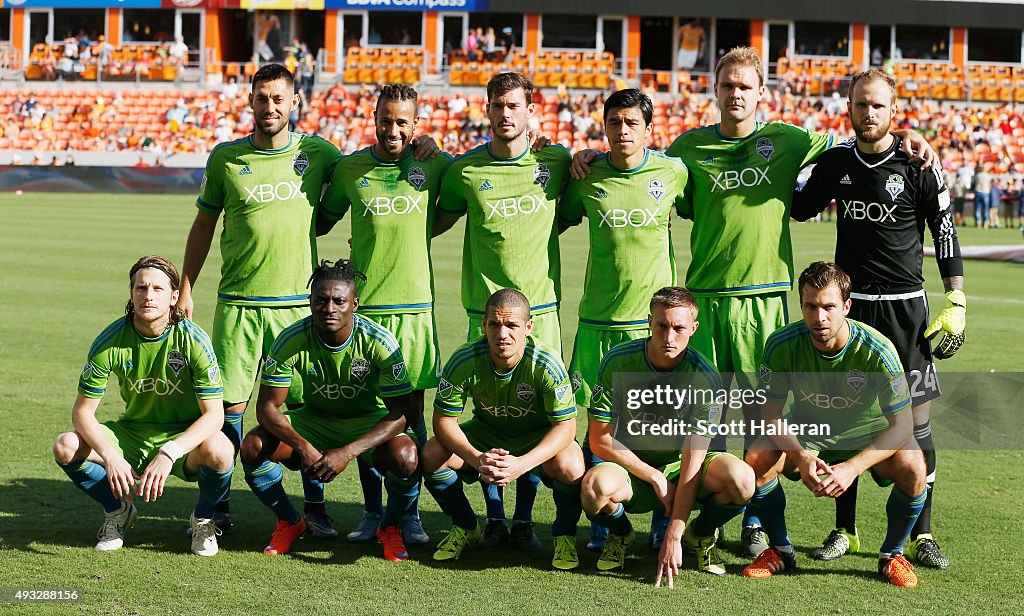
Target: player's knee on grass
[
  {"x": 68, "y": 447},
  {"x": 599, "y": 486},
  {"x": 215, "y": 453},
  {"x": 733, "y": 478},
  {"x": 567, "y": 466},
  {"x": 399, "y": 456}
]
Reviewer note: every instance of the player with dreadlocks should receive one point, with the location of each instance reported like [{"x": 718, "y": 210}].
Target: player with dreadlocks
[
  {"x": 356, "y": 395},
  {"x": 171, "y": 386}
]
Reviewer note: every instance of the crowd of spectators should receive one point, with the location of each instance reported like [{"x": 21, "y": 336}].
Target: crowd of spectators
[{"x": 982, "y": 148}]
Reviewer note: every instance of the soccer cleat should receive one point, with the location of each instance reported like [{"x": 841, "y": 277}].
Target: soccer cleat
[
  {"x": 495, "y": 533},
  {"x": 898, "y": 571},
  {"x": 925, "y": 551},
  {"x": 524, "y": 537},
  {"x": 451, "y": 547},
  {"x": 770, "y": 562},
  {"x": 223, "y": 520},
  {"x": 566, "y": 556},
  {"x": 412, "y": 531},
  {"x": 320, "y": 525},
  {"x": 598, "y": 536},
  {"x": 366, "y": 530},
  {"x": 111, "y": 533},
  {"x": 659, "y": 526},
  {"x": 754, "y": 540},
  {"x": 204, "y": 535},
  {"x": 613, "y": 556},
  {"x": 391, "y": 538},
  {"x": 838, "y": 544},
  {"x": 704, "y": 549},
  {"x": 284, "y": 536}
]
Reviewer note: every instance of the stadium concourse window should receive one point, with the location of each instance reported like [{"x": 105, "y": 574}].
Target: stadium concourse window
[
  {"x": 78, "y": 23},
  {"x": 508, "y": 28},
  {"x": 821, "y": 38},
  {"x": 148, "y": 25},
  {"x": 395, "y": 28},
  {"x": 993, "y": 45},
  {"x": 922, "y": 43},
  {"x": 5, "y": 25},
  {"x": 568, "y": 31},
  {"x": 880, "y": 42}
]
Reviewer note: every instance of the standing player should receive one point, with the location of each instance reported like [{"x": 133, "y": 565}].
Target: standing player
[
  {"x": 171, "y": 386},
  {"x": 848, "y": 386},
  {"x": 628, "y": 198},
  {"x": 524, "y": 420},
  {"x": 392, "y": 197},
  {"x": 356, "y": 394},
  {"x": 672, "y": 479},
  {"x": 742, "y": 176},
  {"x": 885, "y": 202},
  {"x": 509, "y": 193}
]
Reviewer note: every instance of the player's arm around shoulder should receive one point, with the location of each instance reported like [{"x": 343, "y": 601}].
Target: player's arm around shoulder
[{"x": 452, "y": 203}]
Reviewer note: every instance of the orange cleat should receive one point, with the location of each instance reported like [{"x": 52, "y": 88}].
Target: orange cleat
[
  {"x": 898, "y": 571},
  {"x": 394, "y": 548},
  {"x": 770, "y": 562},
  {"x": 284, "y": 536}
]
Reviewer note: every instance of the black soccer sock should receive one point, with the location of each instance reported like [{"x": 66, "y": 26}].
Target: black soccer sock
[
  {"x": 923, "y": 436},
  {"x": 846, "y": 508}
]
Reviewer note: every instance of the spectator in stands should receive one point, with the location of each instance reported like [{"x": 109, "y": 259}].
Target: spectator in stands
[
  {"x": 471, "y": 46},
  {"x": 457, "y": 104},
  {"x": 374, "y": 37},
  {"x": 490, "y": 45},
  {"x": 178, "y": 54},
  {"x": 507, "y": 40},
  {"x": 995, "y": 202},
  {"x": 876, "y": 56},
  {"x": 958, "y": 193},
  {"x": 307, "y": 70},
  {"x": 982, "y": 195}
]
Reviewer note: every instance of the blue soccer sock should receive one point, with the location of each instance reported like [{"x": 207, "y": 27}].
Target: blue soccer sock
[
  {"x": 312, "y": 493},
  {"x": 91, "y": 478},
  {"x": 213, "y": 487},
  {"x": 494, "y": 500},
  {"x": 232, "y": 429},
  {"x": 617, "y": 521},
  {"x": 403, "y": 492},
  {"x": 567, "y": 509},
  {"x": 712, "y": 515},
  {"x": 901, "y": 511},
  {"x": 769, "y": 503},
  {"x": 370, "y": 482},
  {"x": 265, "y": 481},
  {"x": 446, "y": 488},
  {"x": 527, "y": 487}
]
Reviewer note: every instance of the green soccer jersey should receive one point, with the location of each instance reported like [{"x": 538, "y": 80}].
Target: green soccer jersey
[
  {"x": 392, "y": 218},
  {"x": 631, "y": 358},
  {"x": 162, "y": 379},
  {"x": 511, "y": 239},
  {"x": 739, "y": 198},
  {"x": 527, "y": 400},
  {"x": 268, "y": 242},
  {"x": 346, "y": 381},
  {"x": 631, "y": 254},
  {"x": 851, "y": 392}
]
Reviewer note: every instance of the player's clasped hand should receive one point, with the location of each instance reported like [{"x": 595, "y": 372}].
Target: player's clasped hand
[
  {"x": 497, "y": 467},
  {"x": 330, "y": 465},
  {"x": 837, "y": 482},
  {"x": 812, "y": 469},
  {"x": 121, "y": 477},
  {"x": 151, "y": 486}
]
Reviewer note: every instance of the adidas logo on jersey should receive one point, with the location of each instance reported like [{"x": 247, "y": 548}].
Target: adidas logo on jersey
[
  {"x": 245, "y": 171},
  {"x": 846, "y": 180},
  {"x": 364, "y": 183},
  {"x": 486, "y": 186}
]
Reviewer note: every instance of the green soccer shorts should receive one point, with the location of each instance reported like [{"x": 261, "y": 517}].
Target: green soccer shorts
[
  {"x": 139, "y": 443},
  {"x": 734, "y": 329},
  {"x": 645, "y": 500},
  {"x": 325, "y": 432},
  {"x": 547, "y": 329},
  {"x": 416, "y": 333},
  {"x": 834, "y": 455},
  {"x": 242, "y": 337},
  {"x": 591, "y": 344}
]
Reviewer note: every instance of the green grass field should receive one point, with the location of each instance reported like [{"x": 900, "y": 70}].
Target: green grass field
[{"x": 64, "y": 262}]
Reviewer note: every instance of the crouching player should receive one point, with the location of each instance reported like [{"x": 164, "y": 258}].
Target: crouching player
[
  {"x": 672, "y": 480},
  {"x": 355, "y": 404},
  {"x": 524, "y": 418},
  {"x": 171, "y": 386},
  {"x": 847, "y": 380}
]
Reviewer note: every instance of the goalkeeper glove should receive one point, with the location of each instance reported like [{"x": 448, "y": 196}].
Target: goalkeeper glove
[{"x": 952, "y": 322}]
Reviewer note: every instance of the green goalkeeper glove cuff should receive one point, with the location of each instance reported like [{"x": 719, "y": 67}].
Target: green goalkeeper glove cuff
[{"x": 952, "y": 323}]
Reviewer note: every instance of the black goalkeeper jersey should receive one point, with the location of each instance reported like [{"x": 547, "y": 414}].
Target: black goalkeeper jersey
[{"x": 883, "y": 204}]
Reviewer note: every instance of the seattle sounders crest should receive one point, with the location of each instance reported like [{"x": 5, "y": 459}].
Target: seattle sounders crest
[
  {"x": 300, "y": 162},
  {"x": 765, "y": 148}
]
